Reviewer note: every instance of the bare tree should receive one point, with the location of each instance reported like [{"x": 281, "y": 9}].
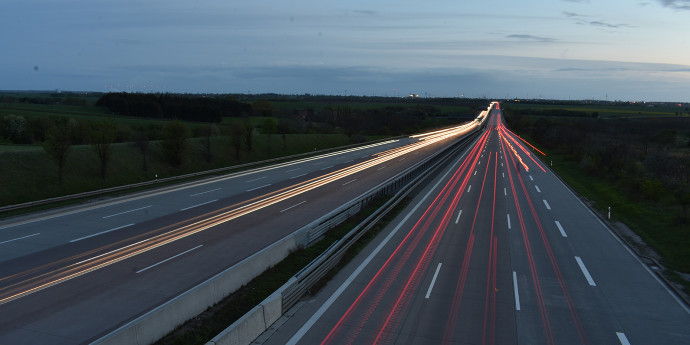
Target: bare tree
[
  {"x": 57, "y": 145},
  {"x": 209, "y": 132},
  {"x": 236, "y": 133},
  {"x": 141, "y": 142},
  {"x": 175, "y": 134},
  {"x": 102, "y": 139}
]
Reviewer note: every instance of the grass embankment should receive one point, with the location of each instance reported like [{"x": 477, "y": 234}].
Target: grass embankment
[
  {"x": 656, "y": 224},
  {"x": 34, "y": 176},
  {"x": 214, "y": 320}
]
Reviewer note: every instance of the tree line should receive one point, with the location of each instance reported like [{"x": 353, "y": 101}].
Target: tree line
[{"x": 174, "y": 106}]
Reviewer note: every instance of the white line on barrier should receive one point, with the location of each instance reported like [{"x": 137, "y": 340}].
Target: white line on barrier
[
  {"x": 197, "y": 205},
  {"x": 433, "y": 281},
  {"x": 515, "y": 287},
  {"x": 170, "y": 258},
  {"x": 584, "y": 271},
  {"x": 100, "y": 233},
  {"x": 266, "y": 185},
  {"x": 295, "y": 205},
  {"x": 117, "y": 214},
  {"x": 20, "y": 238},
  {"x": 208, "y": 191}
]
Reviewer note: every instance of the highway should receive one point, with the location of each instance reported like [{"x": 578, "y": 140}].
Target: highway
[
  {"x": 496, "y": 250},
  {"x": 72, "y": 275}
]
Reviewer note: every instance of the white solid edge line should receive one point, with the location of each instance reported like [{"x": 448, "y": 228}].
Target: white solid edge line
[
  {"x": 197, "y": 205},
  {"x": 295, "y": 205},
  {"x": 560, "y": 228},
  {"x": 100, "y": 233},
  {"x": 584, "y": 271},
  {"x": 622, "y": 338},
  {"x": 508, "y": 216},
  {"x": 312, "y": 320},
  {"x": 136, "y": 209},
  {"x": 627, "y": 248},
  {"x": 515, "y": 287},
  {"x": 433, "y": 281},
  {"x": 547, "y": 205},
  {"x": 458, "y": 218},
  {"x": 20, "y": 238},
  {"x": 170, "y": 258}
]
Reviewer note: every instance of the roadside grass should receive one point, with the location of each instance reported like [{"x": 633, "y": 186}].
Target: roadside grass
[
  {"x": 218, "y": 317},
  {"x": 34, "y": 175},
  {"x": 653, "y": 222}
]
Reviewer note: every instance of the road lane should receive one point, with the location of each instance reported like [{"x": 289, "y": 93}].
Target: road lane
[
  {"x": 83, "y": 289},
  {"x": 527, "y": 282}
]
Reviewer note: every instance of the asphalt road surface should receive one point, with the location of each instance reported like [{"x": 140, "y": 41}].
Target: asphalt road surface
[
  {"x": 495, "y": 251},
  {"x": 72, "y": 275}
]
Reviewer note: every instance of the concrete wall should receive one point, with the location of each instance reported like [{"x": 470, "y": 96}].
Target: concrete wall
[
  {"x": 158, "y": 322},
  {"x": 252, "y": 324}
]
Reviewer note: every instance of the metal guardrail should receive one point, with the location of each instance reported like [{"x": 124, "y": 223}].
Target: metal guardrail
[
  {"x": 171, "y": 179},
  {"x": 401, "y": 184}
]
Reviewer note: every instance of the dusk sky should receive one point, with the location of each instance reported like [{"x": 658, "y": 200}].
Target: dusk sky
[{"x": 574, "y": 49}]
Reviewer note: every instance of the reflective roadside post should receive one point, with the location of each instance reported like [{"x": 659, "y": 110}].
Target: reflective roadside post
[{"x": 609, "y": 212}]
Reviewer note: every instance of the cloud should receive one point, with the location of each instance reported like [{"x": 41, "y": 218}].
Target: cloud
[
  {"x": 532, "y": 38},
  {"x": 574, "y": 15},
  {"x": 607, "y": 25},
  {"x": 676, "y": 4}
]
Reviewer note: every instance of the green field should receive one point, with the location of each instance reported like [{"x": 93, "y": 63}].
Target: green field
[{"x": 34, "y": 174}]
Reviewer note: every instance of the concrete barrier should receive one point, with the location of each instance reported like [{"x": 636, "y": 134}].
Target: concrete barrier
[
  {"x": 158, "y": 322},
  {"x": 252, "y": 324}
]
